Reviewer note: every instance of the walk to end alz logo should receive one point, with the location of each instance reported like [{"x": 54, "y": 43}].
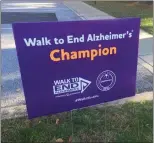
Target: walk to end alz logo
[{"x": 70, "y": 85}]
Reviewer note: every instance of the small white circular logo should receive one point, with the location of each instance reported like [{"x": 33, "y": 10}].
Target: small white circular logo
[{"x": 106, "y": 80}]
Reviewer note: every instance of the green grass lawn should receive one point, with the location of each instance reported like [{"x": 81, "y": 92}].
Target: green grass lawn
[
  {"x": 130, "y": 122},
  {"x": 128, "y": 9}
]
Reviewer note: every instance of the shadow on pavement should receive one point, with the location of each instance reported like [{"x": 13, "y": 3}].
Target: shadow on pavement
[{"x": 11, "y": 17}]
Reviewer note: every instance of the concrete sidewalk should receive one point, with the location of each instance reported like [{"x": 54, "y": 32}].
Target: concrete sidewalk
[{"x": 87, "y": 12}]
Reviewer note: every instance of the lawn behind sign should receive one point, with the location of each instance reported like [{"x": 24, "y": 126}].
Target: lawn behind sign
[
  {"x": 128, "y": 9},
  {"x": 131, "y": 122}
]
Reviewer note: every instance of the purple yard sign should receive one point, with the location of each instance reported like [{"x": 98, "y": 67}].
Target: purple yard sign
[{"x": 75, "y": 64}]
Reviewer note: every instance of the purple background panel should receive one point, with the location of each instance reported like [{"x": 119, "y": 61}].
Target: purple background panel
[{"x": 39, "y": 72}]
